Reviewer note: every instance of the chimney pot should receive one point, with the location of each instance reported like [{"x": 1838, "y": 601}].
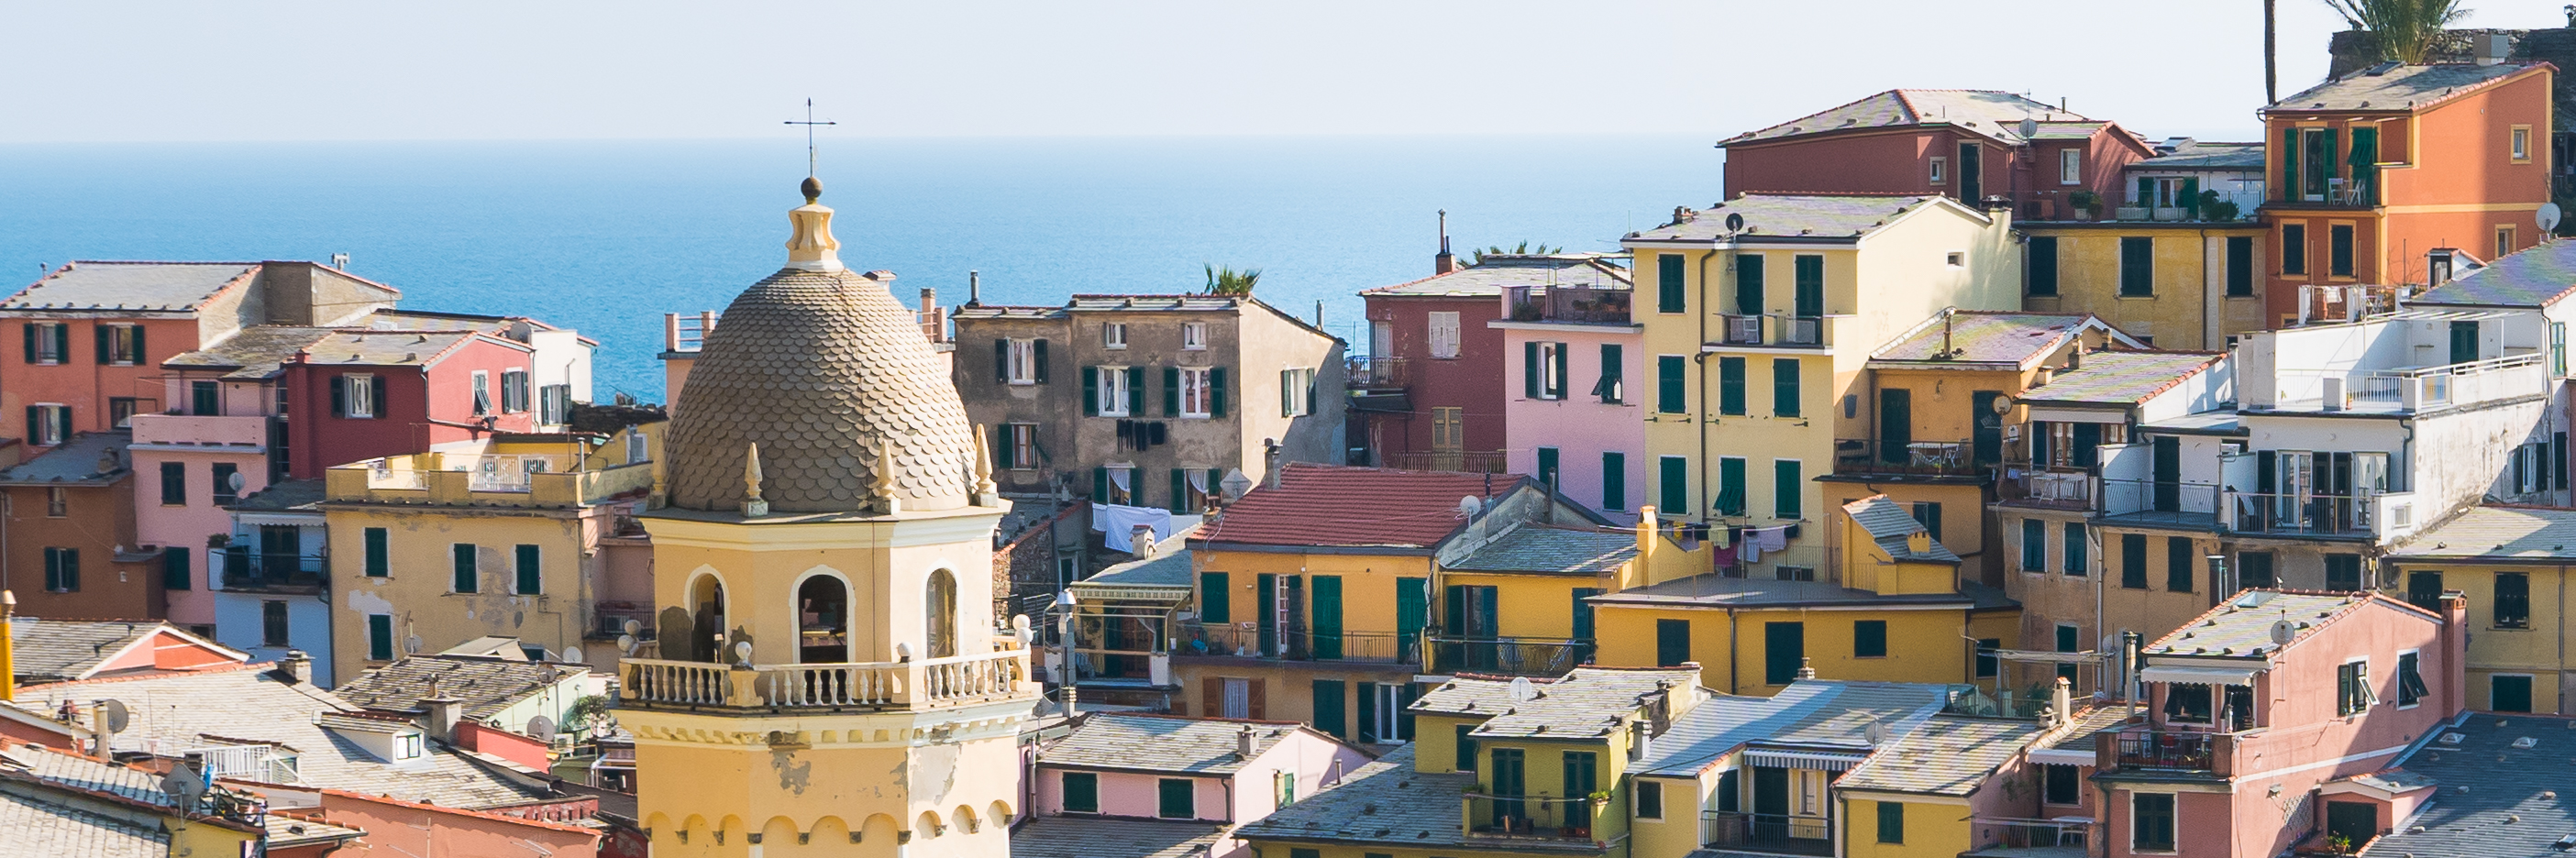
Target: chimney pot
[
  {"x": 296, "y": 667},
  {"x": 1244, "y": 742}
]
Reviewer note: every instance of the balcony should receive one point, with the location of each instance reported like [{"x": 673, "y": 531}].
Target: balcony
[
  {"x": 1775, "y": 330},
  {"x": 1462, "y": 461},
  {"x": 1216, "y": 640},
  {"x": 2410, "y": 390},
  {"x": 1767, "y": 832},
  {"x": 2169, "y": 503},
  {"x": 609, "y": 620},
  {"x": 2168, "y": 751},
  {"x": 1530, "y": 819},
  {"x": 2336, "y": 304},
  {"x": 246, "y": 570},
  {"x": 1916, "y": 458},
  {"x": 1568, "y": 305},
  {"x": 2047, "y": 487},
  {"x": 1548, "y": 657},
  {"x": 187, "y": 430},
  {"x": 938, "y": 683},
  {"x": 461, "y": 479},
  {"x": 1378, "y": 373},
  {"x": 2307, "y": 514}
]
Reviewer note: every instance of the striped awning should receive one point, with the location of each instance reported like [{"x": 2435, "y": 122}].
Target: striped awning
[{"x": 1812, "y": 760}]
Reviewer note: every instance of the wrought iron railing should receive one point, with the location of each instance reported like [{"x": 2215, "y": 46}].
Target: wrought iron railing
[
  {"x": 2169, "y": 749},
  {"x": 1569, "y": 304},
  {"x": 1225, "y": 639},
  {"x": 2302, "y": 514},
  {"x": 2049, "y": 487},
  {"x": 246, "y": 569},
  {"x": 1925, "y": 458},
  {"x": 1539, "y": 817},
  {"x": 1462, "y": 461},
  {"x": 1377, "y": 373},
  {"x": 1508, "y": 656},
  {"x": 1768, "y": 832}
]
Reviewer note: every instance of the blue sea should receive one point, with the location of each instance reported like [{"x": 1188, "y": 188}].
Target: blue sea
[{"x": 606, "y": 236}]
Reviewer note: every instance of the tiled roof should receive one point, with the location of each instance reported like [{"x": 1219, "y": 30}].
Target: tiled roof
[
  {"x": 2531, "y": 277},
  {"x": 819, "y": 369},
  {"x": 1331, "y": 505},
  {"x": 1112, "y": 837},
  {"x": 1469, "y": 695},
  {"x": 484, "y": 685},
  {"x": 1949, "y": 755},
  {"x": 282, "y": 496},
  {"x": 31, "y": 826},
  {"x": 1588, "y": 703},
  {"x": 2497, "y": 533},
  {"x": 1490, "y": 277},
  {"x": 971, "y": 312},
  {"x": 2400, "y": 88},
  {"x": 1162, "y": 570},
  {"x": 2496, "y": 800},
  {"x": 1889, "y": 525},
  {"x": 1840, "y": 219},
  {"x": 1813, "y": 714},
  {"x": 285, "y": 831},
  {"x": 1185, "y": 303},
  {"x": 76, "y": 462},
  {"x": 55, "y": 650},
  {"x": 1990, "y": 337},
  {"x": 1548, "y": 549},
  {"x": 2205, "y": 156},
  {"x": 1162, "y": 743},
  {"x": 386, "y": 348},
  {"x": 79, "y": 772},
  {"x": 1717, "y": 591},
  {"x": 1383, "y": 802},
  {"x": 1996, "y": 115},
  {"x": 2243, "y": 627},
  {"x": 2121, "y": 377},
  {"x": 254, "y": 352},
  {"x": 170, "y": 286}
]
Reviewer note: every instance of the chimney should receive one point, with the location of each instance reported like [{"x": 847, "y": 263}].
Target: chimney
[
  {"x": 1141, "y": 541},
  {"x": 443, "y": 712},
  {"x": 2061, "y": 702},
  {"x": 1645, "y": 546},
  {"x": 1244, "y": 742},
  {"x": 1444, "y": 263},
  {"x": 2492, "y": 47},
  {"x": 1640, "y": 740},
  {"x": 974, "y": 288},
  {"x": 1270, "y": 465},
  {"x": 2454, "y": 692},
  {"x": 296, "y": 667},
  {"x": 1806, "y": 668},
  {"x": 1918, "y": 542}
]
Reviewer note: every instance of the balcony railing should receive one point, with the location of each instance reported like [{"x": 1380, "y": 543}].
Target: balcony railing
[
  {"x": 186, "y": 429},
  {"x": 1464, "y": 461},
  {"x": 1568, "y": 304},
  {"x": 1531, "y": 817},
  {"x": 610, "y": 618},
  {"x": 2323, "y": 304},
  {"x": 1774, "y": 330},
  {"x": 1926, "y": 458},
  {"x": 1549, "y": 657},
  {"x": 1378, "y": 373},
  {"x": 2047, "y": 487},
  {"x": 2410, "y": 389},
  {"x": 1218, "y": 639},
  {"x": 1767, "y": 832},
  {"x": 2302, "y": 514},
  {"x": 245, "y": 569},
  {"x": 996, "y": 676},
  {"x": 2172, "y": 750},
  {"x": 2174, "y": 500}
]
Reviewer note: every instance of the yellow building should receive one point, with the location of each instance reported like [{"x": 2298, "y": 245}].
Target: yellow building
[
  {"x": 1895, "y": 611},
  {"x": 1533, "y": 767},
  {"x": 831, "y": 679},
  {"x": 1924, "y": 795},
  {"x": 2175, "y": 285},
  {"x": 1765, "y": 311},
  {"x": 2512, "y": 564},
  {"x": 491, "y": 538}
]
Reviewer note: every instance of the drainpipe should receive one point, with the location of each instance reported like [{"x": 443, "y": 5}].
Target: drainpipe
[
  {"x": 2208, "y": 315},
  {"x": 1699, "y": 359},
  {"x": 1731, "y": 658}
]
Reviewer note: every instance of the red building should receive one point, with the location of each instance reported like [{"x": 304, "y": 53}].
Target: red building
[
  {"x": 368, "y": 394},
  {"x": 1430, "y": 394},
  {"x": 1963, "y": 144}
]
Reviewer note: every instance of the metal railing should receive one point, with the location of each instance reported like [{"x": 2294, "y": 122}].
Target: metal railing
[
  {"x": 1217, "y": 639},
  {"x": 2303, "y": 514},
  {"x": 2170, "y": 749},
  {"x": 1507, "y": 656},
  {"x": 2018, "y": 833},
  {"x": 1539, "y": 817},
  {"x": 2049, "y": 487},
  {"x": 1774, "y": 329},
  {"x": 245, "y": 569},
  {"x": 913, "y": 685},
  {"x": 2428, "y": 388},
  {"x": 2172, "y": 497},
  {"x": 1768, "y": 832},
  {"x": 1462, "y": 461},
  {"x": 609, "y": 619},
  {"x": 1929, "y": 458},
  {"x": 1569, "y": 304},
  {"x": 2326, "y": 304},
  {"x": 1377, "y": 373}
]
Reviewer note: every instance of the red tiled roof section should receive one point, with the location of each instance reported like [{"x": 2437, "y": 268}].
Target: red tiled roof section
[{"x": 1329, "y": 505}]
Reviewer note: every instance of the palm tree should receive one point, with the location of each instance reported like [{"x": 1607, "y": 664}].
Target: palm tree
[
  {"x": 2403, "y": 29},
  {"x": 1227, "y": 281},
  {"x": 1522, "y": 249}
]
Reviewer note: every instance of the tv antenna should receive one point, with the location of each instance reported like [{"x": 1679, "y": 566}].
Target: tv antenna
[{"x": 809, "y": 124}]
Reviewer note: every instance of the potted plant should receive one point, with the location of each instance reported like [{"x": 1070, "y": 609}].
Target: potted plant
[{"x": 2086, "y": 204}]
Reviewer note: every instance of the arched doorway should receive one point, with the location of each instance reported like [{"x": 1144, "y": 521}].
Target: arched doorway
[
  {"x": 707, "y": 619},
  {"x": 822, "y": 620},
  {"x": 941, "y": 620}
]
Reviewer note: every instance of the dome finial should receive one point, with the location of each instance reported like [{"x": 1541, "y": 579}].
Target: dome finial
[
  {"x": 981, "y": 490},
  {"x": 813, "y": 189},
  {"x": 752, "y": 505},
  {"x": 881, "y": 486},
  {"x": 812, "y": 247}
]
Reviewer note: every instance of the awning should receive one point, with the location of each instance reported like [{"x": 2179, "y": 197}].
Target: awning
[
  {"x": 2201, "y": 675},
  {"x": 2046, "y": 656},
  {"x": 1810, "y": 760}
]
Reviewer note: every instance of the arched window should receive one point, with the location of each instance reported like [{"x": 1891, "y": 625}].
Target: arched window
[
  {"x": 941, "y": 622},
  {"x": 707, "y": 619},
  {"x": 822, "y": 620}
]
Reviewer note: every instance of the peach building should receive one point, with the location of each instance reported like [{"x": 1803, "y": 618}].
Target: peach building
[{"x": 1573, "y": 395}]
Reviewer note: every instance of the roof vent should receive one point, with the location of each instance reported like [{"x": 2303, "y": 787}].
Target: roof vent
[
  {"x": 2525, "y": 743},
  {"x": 2564, "y": 843},
  {"x": 2453, "y": 738},
  {"x": 2382, "y": 68}
]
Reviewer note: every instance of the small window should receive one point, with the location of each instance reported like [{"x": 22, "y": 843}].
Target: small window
[
  {"x": 2509, "y": 693},
  {"x": 1869, "y": 638},
  {"x": 2410, "y": 679},
  {"x": 407, "y": 746},
  {"x": 2353, "y": 694},
  {"x": 1650, "y": 799},
  {"x": 2512, "y": 600},
  {"x": 1296, "y": 392},
  {"x": 2151, "y": 821},
  {"x": 1176, "y": 798},
  {"x": 2339, "y": 250},
  {"x": 1113, "y": 390},
  {"x": 2504, "y": 241},
  {"x": 1940, "y": 170},
  {"x": 1023, "y": 446},
  {"x": 1788, "y": 489},
  {"x": 1113, "y": 335},
  {"x": 1024, "y": 362},
  {"x": 2078, "y": 560},
  {"x": 380, "y": 637},
  {"x": 48, "y": 343},
  {"x": 272, "y": 616},
  {"x": 358, "y": 397},
  {"x": 62, "y": 569},
  {"x": 121, "y": 410},
  {"x": 530, "y": 575},
  {"x": 1443, "y": 330},
  {"x": 2187, "y": 703},
  {"x": 58, "y": 502},
  {"x": 2070, "y": 166},
  {"x": 1194, "y": 334},
  {"x": 1670, "y": 386},
  {"x": 2294, "y": 248},
  {"x": 554, "y": 404},
  {"x": 1956, "y": 259},
  {"x": 2521, "y": 144},
  {"x": 174, "y": 484},
  {"x": 1891, "y": 822},
  {"x": 2137, "y": 267},
  {"x": 465, "y": 578},
  {"x": 1197, "y": 394},
  {"x": 205, "y": 398},
  {"x": 2065, "y": 784},
  {"x": 1989, "y": 664},
  {"x": 1081, "y": 792},
  {"x": 482, "y": 392},
  {"x": 514, "y": 391},
  {"x": 2034, "y": 545},
  {"x": 48, "y": 425},
  {"x": 379, "y": 552}
]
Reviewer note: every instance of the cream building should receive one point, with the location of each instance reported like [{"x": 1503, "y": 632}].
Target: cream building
[{"x": 830, "y": 679}]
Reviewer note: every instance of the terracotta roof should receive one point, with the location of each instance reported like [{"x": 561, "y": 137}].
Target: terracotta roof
[
  {"x": 817, "y": 368},
  {"x": 1331, "y": 505},
  {"x": 2389, "y": 86},
  {"x": 1956, "y": 336},
  {"x": 1993, "y": 114}
]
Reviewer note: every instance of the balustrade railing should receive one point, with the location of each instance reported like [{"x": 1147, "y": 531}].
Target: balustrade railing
[{"x": 920, "y": 684}]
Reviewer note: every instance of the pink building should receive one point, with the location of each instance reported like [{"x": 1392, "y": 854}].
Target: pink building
[
  {"x": 1424, "y": 398},
  {"x": 1149, "y": 775},
  {"x": 2255, "y": 705},
  {"x": 1570, "y": 416}
]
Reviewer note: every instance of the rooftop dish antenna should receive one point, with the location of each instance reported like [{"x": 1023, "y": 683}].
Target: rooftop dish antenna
[
  {"x": 2547, "y": 216},
  {"x": 541, "y": 728},
  {"x": 236, "y": 481},
  {"x": 1734, "y": 221},
  {"x": 184, "y": 786},
  {"x": 571, "y": 654},
  {"x": 2283, "y": 631},
  {"x": 1469, "y": 506},
  {"x": 1522, "y": 690},
  {"x": 113, "y": 715}
]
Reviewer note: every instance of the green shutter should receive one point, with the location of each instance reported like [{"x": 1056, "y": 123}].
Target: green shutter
[
  {"x": 30, "y": 330},
  {"x": 2191, "y": 197},
  {"x": 2137, "y": 267},
  {"x": 380, "y": 637},
  {"x": 1730, "y": 486},
  {"x": 1730, "y": 385},
  {"x": 1100, "y": 485},
  {"x": 1177, "y": 798},
  {"x": 1412, "y": 612},
  {"x": 1788, "y": 490},
  {"x": 1003, "y": 449},
  {"x": 1090, "y": 391},
  {"x": 1366, "y": 702},
  {"x": 465, "y": 579},
  {"x": 1327, "y": 612},
  {"x": 1675, "y": 486},
  {"x": 1529, "y": 370},
  {"x": 137, "y": 342},
  {"x": 106, "y": 352},
  {"x": 1180, "y": 493},
  {"x": 1215, "y": 599},
  {"x": 1136, "y": 391},
  {"x": 2146, "y": 193},
  {"x": 1784, "y": 387},
  {"x": 1329, "y": 709},
  {"x": 379, "y": 557},
  {"x": 1081, "y": 792},
  {"x": 2289, "y": 167},
  {"x": 1557, "y": 389},
  {"x": 1216, "y": 391},
  {"x": 1810, "y": 287},
  {"x": 531, "y": 577},
  {"x": 1614, "y": 481},
  {"x": 1171, "y": 391},
  {"x": 1669, "y": 292},
  {"x": 1748, "y": 284},
  {"x": 1547, "y": 471},
  {"x": 176, "y": 573},
  {"x": 1669, "y": 398},
  {"x": 1612, "y": 372},
  {"x": 2041, "y": 252}
]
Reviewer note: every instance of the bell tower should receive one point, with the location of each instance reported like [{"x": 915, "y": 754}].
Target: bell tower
[{"x": 829, "y": 677}]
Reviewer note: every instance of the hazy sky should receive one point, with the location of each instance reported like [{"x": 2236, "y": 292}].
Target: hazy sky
[{"x": 98, "y": 70}]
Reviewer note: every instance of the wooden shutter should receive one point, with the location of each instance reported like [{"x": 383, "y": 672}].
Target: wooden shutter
[
  {"x": 1331, "y": 716},
  {"x": 1100, "y": 485},
  {"x": 71, "y": 569},
  {"x": 30, "y": 330},
  {"x": 1216, "y": 391},
  {"x": 379, "y": 556},
  {"x": 376, "y": 392},
  {"x": 1215, "y": 600},
  {"x": 35, "y": 424},
  {"x": 465, "y": 579},
  {"x": 1038, "y": 355},
  {"x": 1211, "y": 696},
  {"x": 63, "y": 342},
  {"x": 1171, "y": 391},
  {"x": 1005, "y": 446},
  {"x": 1556, "y": 385},
  {"x": 1529, "y": 370},
  {"x": 136, "y": 343},
  {"x": 339, "y": 396},
  {"x": 1180, "y": 492},
  {"x": 1002, "y": 361},
  {"x": 1253, "y": 693},
  {"x": 531, "y": 576},
  {"x": 1367, "y": 701},
  {"x": 1090, "y": 391},
  {"x": 63, "y": 422},
  {"x": 176, "y": 572},
  {"x": 106, "y": 349},
  {"x": 1136, "y": 391}
]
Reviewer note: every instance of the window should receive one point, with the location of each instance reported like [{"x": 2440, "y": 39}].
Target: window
[
  {"x": 2065, "y": 784},
  {"x": 2254, "y": 569},
  {"x": 224, "y": 473},
  {"x": 2151, "y": 821},
  {"x": 465, "y": 579},
  {"x": 2410, "y": 679},
  {"x": 2069, "y": 638},
  {"x": 2137, "y": 267},
  {"x": 174, "y": 484},
  {"x": 2339, "y": 250},
  {"x": 554, "y": 404},
  {"x": 2240, "y": 266},
  {"x": 1730, "y": 385},
  {"x": 2509, "y": 693},
  {"x": 2504, "y": 241},
  {"x": 1020, "y": 361},
  {"x": 1448, "y": 428},
  {"x": 2133, "y": 561},
  {"x": 48, "y": 342},
  {"x": 1466, "y": 748},
  {"x": 1730, "y": 485},
  {"x": 1989, "y": 664},
  {"x": 1891, "y": 822},
  {"x": 48, "y": 425},
  {"x": 1955, "y": 259},
  {"x": 482, "y": 392},
  {"x": 1542, "y": 370},
  {"x": 1669, "y": 386},
  {"x": 2294, "y": 248},
  {"x": 1114, "y": 484},
  {"x": 2041, "y": 266},
  {"x": 2343, "y": 572},
  {"x": 1444, "y": 334},
  {"x": 1296, "y": 392},
  {"x": 514, "y": 391},
  {"x": 205, "y": 399},
  {"x": 58, "y": 502},
  {"x": 1928, "y": 514},
  {"x": 1547, "y": 467},
  {"x": 1177, "y": 798},
  {"x": 1196, "y": 394},
  {"x": 2521, "y": 150},
  {"x": 1788, "y": 489},
  {"x": 121, "y": 410},
  {"x": 1869, "y": 638},
  {"x": 1614, "y": 481},
  {"x": 2558, "y": 348},
  {"x": 407, "y": 746},
  {"x": 62, "y": 570},
  {"x": 2178, "y": 566},
  {"x": 2424, "y": 589},
  {"x": 2353, "y": 694},
  {"x": 2070, "y": 166},
  {"x": 1194, "y": 334},
  {"x": 2077, "y": 561},
  {"x": 1582, "y": 771},
  {"x": 1110, "y": 389},
  {"x": 1113, "y": 335},
  {"x": 1784, "y": 387},
  {"x": 1940, "y": 170},
  {"x": 120, "y": 345},
  {"x": 177, "y": 573},
  {"x": 1650, "y": 798},
  {"x": 1672, "y": 642},
  {"x": 530, "y": 575},
  {"x": 1669, "y": 295},
  {"x": 2512, "y": 600},
  {"x": 380, "y": 637},
  {"x": 2034, "y": 545},
  {"x": 1019, "y": 446},
  {"x": 1611, "y": 388},
  {"x": 379, "y": 553},
  {"x": 1784, "y": 652},
  {"x": 1283, "y": 789},
  {"x": 357, "y": 395},
  {"x": 272, "y": 622},
  {"x": 2187, "y": 703},
  {"x": 1673, "y": 485},
  {"x": 638, "y": 446}
]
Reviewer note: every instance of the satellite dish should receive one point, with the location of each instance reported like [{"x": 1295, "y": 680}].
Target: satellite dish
[
  {"x": 2283, "y": 631},
  {"x": 2003, "y": 405},
  {"x": 2547, "y": 216},
  {"x": 184, "y": 786},
  {"x": 1876, "y": 733},
  {"x": 1734, "y": 221},
  {"x": 541, "y": 728},
  {"x": 571, "y": 653},
  {"x": 237, "y": 481},
  {"x": 1522, "y": 690},
  {"x": 114, "y": 714},
  {"x": 626, "y": 644},
  {"x": 1468, "y": 506},
  {"x": 411, "y": 645},
  {"x": 2029, "y": 127}
]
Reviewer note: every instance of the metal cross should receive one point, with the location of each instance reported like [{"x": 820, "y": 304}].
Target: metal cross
[{"x": 809, "y": 124}]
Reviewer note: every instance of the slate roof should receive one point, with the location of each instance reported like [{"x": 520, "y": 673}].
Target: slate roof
[
  {"x": 285, "y": 831},
  {"x": 485, "y": 685},
  {"x": 2496, "y": 800},
  {"x": 1996, "y": 115},
  {"x": 2535, "y": 534},
  {"x": 30, "y": 826},
  {"x": 75, "y": 462},
  {"x": 1162, "y": 743},
  {"x": 1074, "y": 836},
  {"x": 2532, "y": 277},
  {"x": 1949, "y": 755},
  {"x": 2243, "y": 626},
  {"x": 1383, "y": 802},
  {"x": 2121, "y": 377},
  {"x": 1815, "y": 714},
  {"x": 1991, "y": 337},
  {"x": 283, "y": 496},
  {"x": 1547, "y": 549},
  {"x": 1822, "y": 218},
  {"x": 254, "y": 352},
  {"x": 1590, "y": 702},
  {"x": 1490, "y": 277},
  {"x": 2204, "y": 156},
  {"x": 1716, "y": 591},
  {"x": 1163, "y": 570},
  {"x": 166, "y": 286},
  {"x": 389, "y": 348},
  {"x": 54, "y": 650},
  {"x": 1322, "y": 505},
  {"x": 79, "y": 772},
  {"x": 818, "y": 369},
  {"x": 2401, "y": 88},
  {"x": 2091, "y": 721},
  {"x": 1889, "y": 525}
]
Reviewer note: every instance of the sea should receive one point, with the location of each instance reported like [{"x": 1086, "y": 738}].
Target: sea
[{"x": 606, "y": 236}]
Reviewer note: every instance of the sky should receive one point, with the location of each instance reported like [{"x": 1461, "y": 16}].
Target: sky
[{"x": 103, "y": 70}]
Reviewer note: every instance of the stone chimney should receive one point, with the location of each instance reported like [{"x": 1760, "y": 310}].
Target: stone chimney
[
  {"x": 442, "y": 713},
  {"x": 1918, "y": 542},
  {"x": 1806, "y": 668},
  {"x": 1444, "y": 263},
  {"x": 1645, "y": 547},
  {"x": 2061, "y": 703},
  {"x": 296, "y": 667},
  {"x": 1270, "y": 475},
  {"x": 1141, "y": 541},
  {"x": 1245, "y": 742}
]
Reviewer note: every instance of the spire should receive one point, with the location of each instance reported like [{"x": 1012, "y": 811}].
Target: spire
[
  {"x": 982, "y": 490},
  {"x": 752, "y": 505},
  {"x": 881, "y": 487},
  {"x": 812, "y": 247}
]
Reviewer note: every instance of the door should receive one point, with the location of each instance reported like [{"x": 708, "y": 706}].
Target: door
[
  {"x": 2168, "y": 475},
  {"x": 1895, "y": 424},
  {"x": 2464, "y": 342},
  {"x": 1972, "y": 174},
  {"x": 1473, "y": 620},
  {"x": 1328, "y": 616},
  {"x": 1292, "y": 617},
  {"x": 1784, "y": 650},
  {"x": 2352, "y": 822},
  {"x": 1770, "y": 805},
  {"x": 1266, "y": 595},
  {"x": 1989, "y": 437},
  {"x": 280, "y": 547},
  {"x": 1381, "y": 339},
  {"x": 2086, "y": 445},
  {"x": 1508, "y": 784},
  {"x": 1238, "y": 698}
]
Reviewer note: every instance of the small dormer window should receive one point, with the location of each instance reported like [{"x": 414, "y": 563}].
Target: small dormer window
[
  {"x": 407, "y": 746},
  {"x": 1194, "y": 335},
  {"x": 1113, "y": 335}
]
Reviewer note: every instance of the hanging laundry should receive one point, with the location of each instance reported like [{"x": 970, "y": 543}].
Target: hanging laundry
[{"x": 1115, "y": 523}]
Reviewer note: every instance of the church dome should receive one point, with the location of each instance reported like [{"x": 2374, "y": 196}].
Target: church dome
[{"x": 818, "y": 366}]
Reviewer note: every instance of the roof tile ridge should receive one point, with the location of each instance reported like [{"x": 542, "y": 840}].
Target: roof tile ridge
[
  {"x": 225, "y": 668},
  {"x": 461, "y": 811}
]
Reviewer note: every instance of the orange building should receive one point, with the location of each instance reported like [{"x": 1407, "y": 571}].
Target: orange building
[{"x": 2374, "y": 172}]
